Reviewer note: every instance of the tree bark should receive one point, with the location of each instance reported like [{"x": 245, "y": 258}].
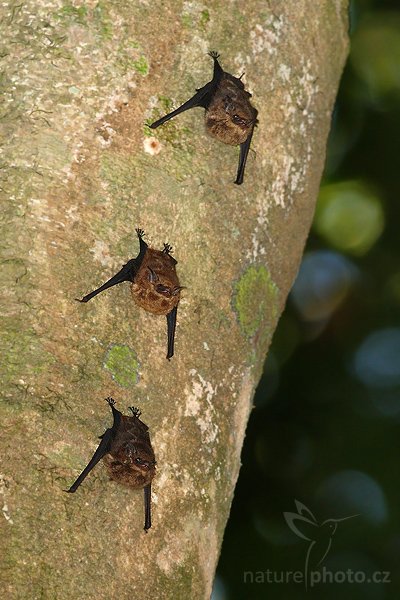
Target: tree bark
[{"x": 78, "y": 175}]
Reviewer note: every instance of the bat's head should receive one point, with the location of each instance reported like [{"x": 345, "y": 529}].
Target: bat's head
[
  {"x": 142, "y": 463},
  {"x": 133, "y": 464},
  {"x": 156, "y": 287},
  {"x": 230, "y": 117},
  {"x": 162, "y": 285}
]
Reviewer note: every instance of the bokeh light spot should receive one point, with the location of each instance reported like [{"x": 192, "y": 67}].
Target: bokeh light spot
[
  {"x": 323, "y": 282},
  {"x": 353, "y": 492},
  {"x": 219, "y": 590},
  {"x": 349, "y": 216},
  {"x": 377, "y": 360},
  {"x": 375, "y": 55}
]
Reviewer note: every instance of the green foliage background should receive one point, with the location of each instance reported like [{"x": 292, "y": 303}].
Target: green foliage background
[{"x": 325, "y": 426}]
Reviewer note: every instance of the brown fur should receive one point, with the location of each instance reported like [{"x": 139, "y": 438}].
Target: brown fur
[
  {"x": 230, "y": 100},
  {"x": 132, "y": 441},
  {"x": 144, "y": 291}
]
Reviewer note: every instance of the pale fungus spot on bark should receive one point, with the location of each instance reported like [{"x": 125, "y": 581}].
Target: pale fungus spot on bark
[
  {"x": 199, "y": 402},
  {"x": 152, "y": 146},
  {"x": 101, "y": 253},
  {"x": 268, "y": 36},
  {"x": 3, "y": 492}
]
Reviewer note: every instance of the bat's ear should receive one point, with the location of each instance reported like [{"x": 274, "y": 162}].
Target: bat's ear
[
  {"x": 177, "y": 289},
  {"x": 152, "y": 276}
]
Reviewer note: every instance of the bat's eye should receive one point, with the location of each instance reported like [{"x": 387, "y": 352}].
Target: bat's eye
[
  {"x": 238, "y": 120},
  {"x": 143, "y": 463},
  {"x": 163, "y": 289}
]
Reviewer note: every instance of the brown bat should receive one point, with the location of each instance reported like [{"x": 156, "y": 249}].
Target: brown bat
[
  {"x": 127, "y": 452},
  {"x": 229, "y": 115},
  {"x": 155, "y": 285}
]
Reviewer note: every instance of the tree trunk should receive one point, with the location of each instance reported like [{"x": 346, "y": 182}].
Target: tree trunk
[{"x": 79, "y": 173}]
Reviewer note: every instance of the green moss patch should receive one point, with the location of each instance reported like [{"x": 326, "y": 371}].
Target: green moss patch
[
  {"x": 255, "y": 299},
  {"x": 141, "y": 66},
  {"x": 123, "y": 365}
]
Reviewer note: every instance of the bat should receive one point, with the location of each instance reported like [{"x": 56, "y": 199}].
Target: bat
[
  {"x": 128, "y": 454},
  {"x": 229, "y": 116},
  {"x": 154, "y": 284}
]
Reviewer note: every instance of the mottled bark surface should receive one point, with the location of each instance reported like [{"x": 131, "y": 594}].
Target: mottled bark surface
[{"x": 78, "y": 174}]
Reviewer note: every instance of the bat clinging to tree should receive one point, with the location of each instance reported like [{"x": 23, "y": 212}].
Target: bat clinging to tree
[
  {"x": 229, "y": 116},
  {"x": 155, "y": 285},
  {"x": 127, "y": 452}
]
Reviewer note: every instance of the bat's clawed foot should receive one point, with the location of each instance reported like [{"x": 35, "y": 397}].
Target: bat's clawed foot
[
  {"x": 110, "y": 401},
  {"x": 140, "y": 232},
  {"x": 81, "y": 299},
  {"x": 135, "y": 411},
  {"x": 167, "y": 248},
  {"x": 214, "y": 54}
]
